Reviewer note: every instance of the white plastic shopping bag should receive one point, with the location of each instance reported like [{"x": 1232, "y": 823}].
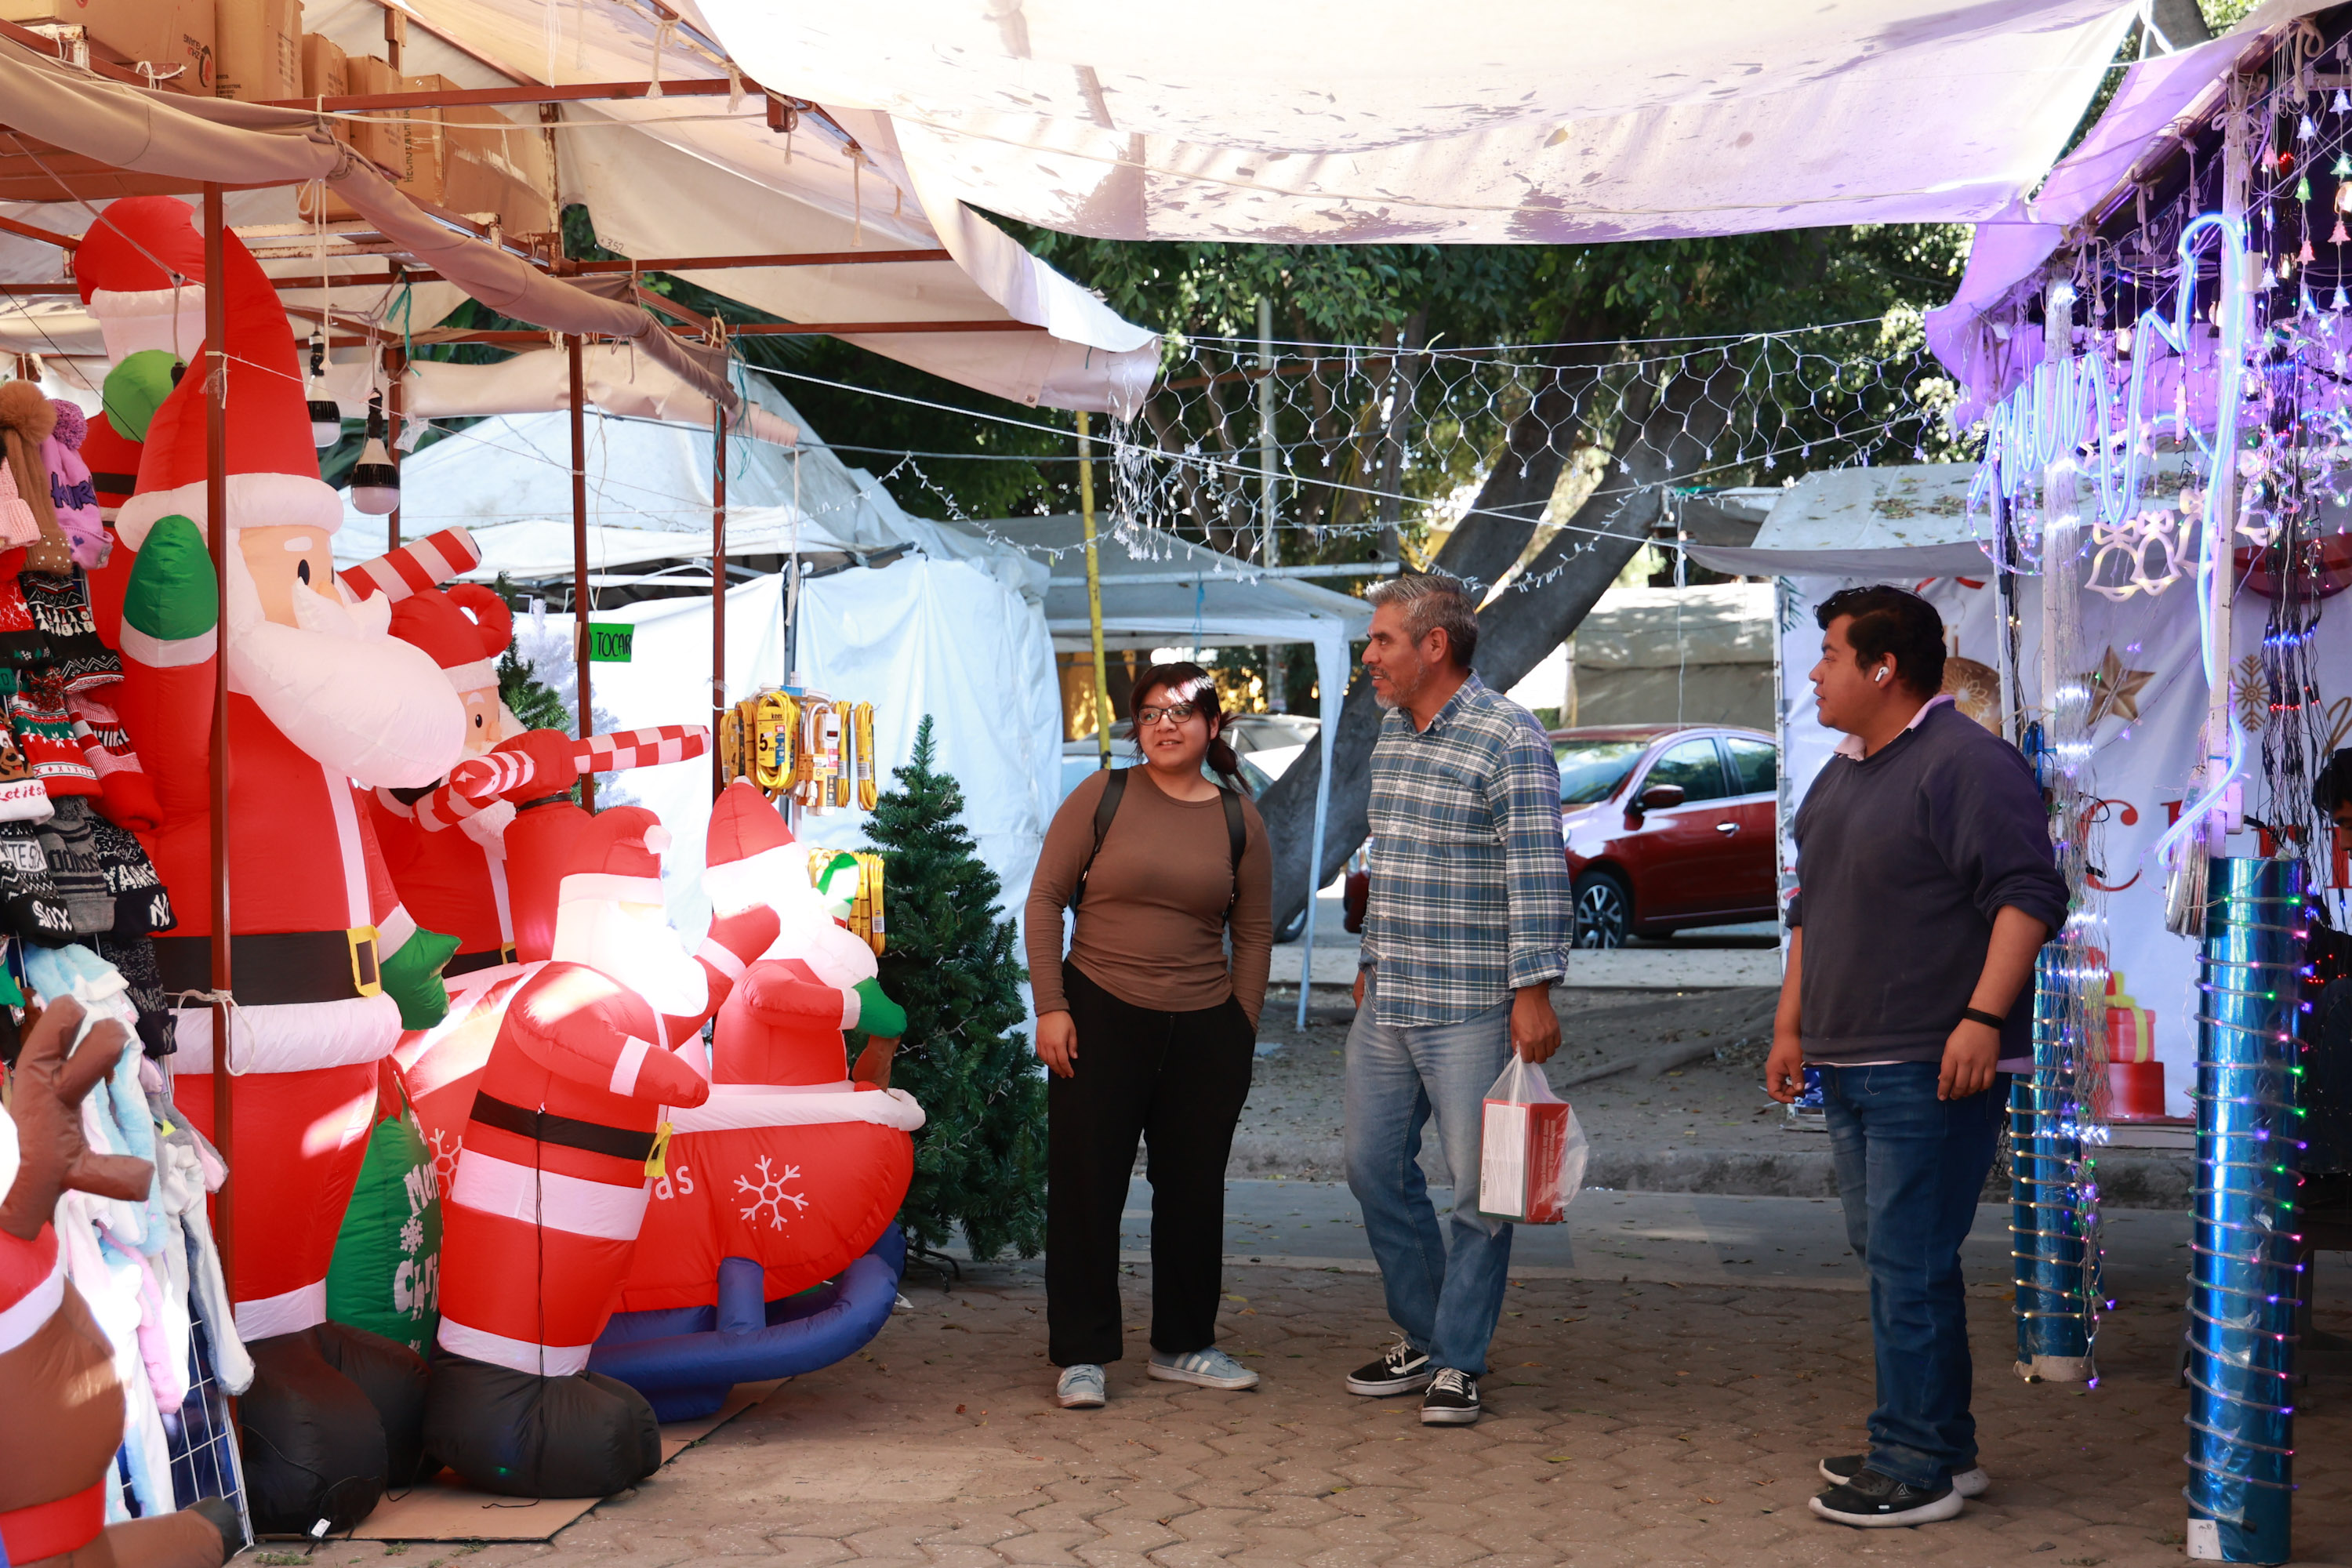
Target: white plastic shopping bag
[{"x": 1530, "y": 1151}]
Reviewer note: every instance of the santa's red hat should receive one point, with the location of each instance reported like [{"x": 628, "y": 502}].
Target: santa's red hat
[
  {"x": 617, "y": 858},
  {"x": 143, "y": 263},
  {"x": 465, "y": 628},
  {"x": 747, "y": 848},
  {"x": 273, "y": 467}
]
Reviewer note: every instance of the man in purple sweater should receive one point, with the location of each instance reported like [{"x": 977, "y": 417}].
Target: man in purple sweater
[{"x": 1926, "y": 885}]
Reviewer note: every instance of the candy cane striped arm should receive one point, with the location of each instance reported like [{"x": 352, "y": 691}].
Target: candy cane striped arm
[
  {"x": 472, "y": 785},
  {"x": 414, "y": 567},
  {"x": 642, "y": 748}
]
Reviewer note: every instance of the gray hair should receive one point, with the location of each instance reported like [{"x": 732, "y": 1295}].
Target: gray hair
[{"x": 1432, "y": 602}]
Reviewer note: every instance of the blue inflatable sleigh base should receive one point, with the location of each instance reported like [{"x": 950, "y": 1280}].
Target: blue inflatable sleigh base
[{"x": 686, "y": 1360}]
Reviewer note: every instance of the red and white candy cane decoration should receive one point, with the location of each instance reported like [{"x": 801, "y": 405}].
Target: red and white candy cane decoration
[
  {"x": 475, "y": 783},
  {"x": 643, "y": 747},
  {"x": 422, "y": 563}
]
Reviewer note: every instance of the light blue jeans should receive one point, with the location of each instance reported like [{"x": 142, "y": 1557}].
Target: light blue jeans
[{"x": 1445, "y": 1298}]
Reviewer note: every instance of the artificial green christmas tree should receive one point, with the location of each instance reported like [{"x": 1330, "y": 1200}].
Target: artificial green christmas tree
[{"x": 980, "y": 1160}]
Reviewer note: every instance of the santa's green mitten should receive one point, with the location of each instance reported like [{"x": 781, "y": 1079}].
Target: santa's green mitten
[
  {"x": 877, "y": 1015},
  {"x": 172, "y": 602},
  {"x": 412, "y": 977}
]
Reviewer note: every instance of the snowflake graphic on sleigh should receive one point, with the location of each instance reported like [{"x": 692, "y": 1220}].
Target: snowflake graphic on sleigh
[{"x": 768, "y": 1194}]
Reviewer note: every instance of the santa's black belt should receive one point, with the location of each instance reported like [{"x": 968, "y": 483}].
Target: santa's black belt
[
  {"x": 276, "y": 969},
  {"x": 546, "y": 1127},
  {"x": 489, "y": 958}
]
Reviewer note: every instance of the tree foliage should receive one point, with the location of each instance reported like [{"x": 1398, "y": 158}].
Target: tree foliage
[{"x": 980, "y": 1160}]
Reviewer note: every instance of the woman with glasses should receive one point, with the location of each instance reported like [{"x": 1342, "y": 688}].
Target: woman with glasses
[{"x": 1149, "y": 1030}]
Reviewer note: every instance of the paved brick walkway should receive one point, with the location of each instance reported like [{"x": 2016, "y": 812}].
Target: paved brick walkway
[{"x": 1637, "y": 1424}]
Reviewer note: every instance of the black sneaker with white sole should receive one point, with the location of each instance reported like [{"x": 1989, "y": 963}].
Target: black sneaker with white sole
[
  {"x": 1846, "y": 1466},
  {"x": 1870, "y": 1500},
  {"x": 1400, "y": 1369},
  {"x": 1452, "y": 1399}
]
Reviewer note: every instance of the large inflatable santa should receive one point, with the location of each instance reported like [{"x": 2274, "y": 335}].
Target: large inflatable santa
[
  {"x": 566, "y": 1139},
  {"x": 327, "y": 966},
  {"x": 62, "y": 1400},
  {"x": 788, "y": 1163}
]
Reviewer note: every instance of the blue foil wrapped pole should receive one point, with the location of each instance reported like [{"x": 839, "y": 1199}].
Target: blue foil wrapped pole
[
  {"x": 2242, "y": 1287},
  {"x": 2054, "y": 1257}
]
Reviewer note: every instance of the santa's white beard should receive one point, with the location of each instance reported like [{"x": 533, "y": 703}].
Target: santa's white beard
[
  {"x": 639, "y": 950},
  {"x": 350, "y": 694}
]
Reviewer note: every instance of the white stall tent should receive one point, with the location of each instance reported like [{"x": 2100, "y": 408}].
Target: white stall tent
[
  {"x": 921, "y": 636},
  {"x": 2152, "y": 702}
]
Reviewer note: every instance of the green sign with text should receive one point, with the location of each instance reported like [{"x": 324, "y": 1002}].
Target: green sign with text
[{"x": 609, "y": 644}]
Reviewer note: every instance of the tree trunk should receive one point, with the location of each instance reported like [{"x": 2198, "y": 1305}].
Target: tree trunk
[{"x": 1657, "y": 438}]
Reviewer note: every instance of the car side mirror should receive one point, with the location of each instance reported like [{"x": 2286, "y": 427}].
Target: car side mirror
[{"x": 1659, "y": 796}]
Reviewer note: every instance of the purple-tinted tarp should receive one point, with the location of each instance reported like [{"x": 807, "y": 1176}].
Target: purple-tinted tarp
[{"x": 2011, "y": 248}]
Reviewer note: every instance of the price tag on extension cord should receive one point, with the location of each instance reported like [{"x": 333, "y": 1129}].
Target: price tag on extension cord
[{"x": 609, "y": 642}]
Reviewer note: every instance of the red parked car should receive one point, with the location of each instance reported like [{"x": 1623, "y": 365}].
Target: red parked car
[{"x": 1668, "y": 826}]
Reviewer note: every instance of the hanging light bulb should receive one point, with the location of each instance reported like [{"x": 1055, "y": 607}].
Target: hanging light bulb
[
  {"x": 2306, "y": 131},
  {"x": 2303, "y": 187},
  {"x": 2339, "y": 302},
  {"x": 375, "y": 481},
  {"x": 326, "y": 417}
]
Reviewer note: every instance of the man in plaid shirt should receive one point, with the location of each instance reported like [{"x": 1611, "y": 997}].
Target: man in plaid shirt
[{"x": 1467, "y": 928}]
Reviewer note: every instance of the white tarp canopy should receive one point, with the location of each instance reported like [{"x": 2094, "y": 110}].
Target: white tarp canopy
[
  {"x": 684, "y": 177},
  {"x": 1529, "y": 122},
  {"x": 509, "y": 480},
  {"x": 1911, "y": 519}
]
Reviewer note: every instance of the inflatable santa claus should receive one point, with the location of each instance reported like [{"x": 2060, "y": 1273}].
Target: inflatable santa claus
[
  {"x": 63, "y": 1401},
  {"x": 565, "y": 1138},
  {"x": 328, "y": 967},
  {"x": 788, "y": 1163},
  {"x": 450, "y": 864}
]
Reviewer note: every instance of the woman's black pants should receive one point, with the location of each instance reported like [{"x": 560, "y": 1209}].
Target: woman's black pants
[{"x": 1177, "y": 1081}]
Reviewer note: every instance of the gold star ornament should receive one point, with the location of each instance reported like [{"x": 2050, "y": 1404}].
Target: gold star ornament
[{"x": 2115, "y": 689}]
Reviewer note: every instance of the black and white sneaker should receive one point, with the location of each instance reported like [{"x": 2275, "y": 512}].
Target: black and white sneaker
[
  {"x": 1452, "y": 1399},
  {"x": 1870, "y": 1500},
  {"x": 1846, "y": 1466},
  {"x": 1399, "y": 1370}
]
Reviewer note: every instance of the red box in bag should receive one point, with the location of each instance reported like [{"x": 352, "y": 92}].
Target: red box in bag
[{"x": 1530, "y": 1149}]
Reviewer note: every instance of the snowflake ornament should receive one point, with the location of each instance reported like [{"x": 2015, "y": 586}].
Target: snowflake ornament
[{"x": 767, "y": 1193}]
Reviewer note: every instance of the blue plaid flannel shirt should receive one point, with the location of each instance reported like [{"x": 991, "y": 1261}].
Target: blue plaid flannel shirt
[{"x": 1470, "y": 891}]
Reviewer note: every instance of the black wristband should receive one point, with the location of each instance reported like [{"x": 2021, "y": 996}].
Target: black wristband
[{"x": 1979, "y": 1016}]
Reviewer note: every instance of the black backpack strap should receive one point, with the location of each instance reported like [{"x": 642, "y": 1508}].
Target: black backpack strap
[
  {"x": 1236, "y": 836},
  {"x": 1114, "y": 791}
]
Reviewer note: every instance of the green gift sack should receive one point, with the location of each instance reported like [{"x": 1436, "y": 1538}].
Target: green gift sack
[{"x": 386, "y": 1273}]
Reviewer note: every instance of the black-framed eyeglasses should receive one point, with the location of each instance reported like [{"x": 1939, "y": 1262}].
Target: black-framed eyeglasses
[{"x": 1175, "y": 714}]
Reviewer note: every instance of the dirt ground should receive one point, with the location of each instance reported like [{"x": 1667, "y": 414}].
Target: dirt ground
[{"x": 1292, "y": 1124}]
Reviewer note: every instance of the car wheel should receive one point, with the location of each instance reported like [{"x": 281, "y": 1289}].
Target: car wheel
[{"x": 1604, "y": 909}]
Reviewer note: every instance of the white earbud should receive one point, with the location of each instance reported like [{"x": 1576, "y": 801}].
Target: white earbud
[{"x": 1881, "y": 676}]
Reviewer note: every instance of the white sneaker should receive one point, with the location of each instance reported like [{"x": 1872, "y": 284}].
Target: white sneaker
[
  {"x": 1081, "y": 1387},
  {"x": 1211, "y": 1368}
]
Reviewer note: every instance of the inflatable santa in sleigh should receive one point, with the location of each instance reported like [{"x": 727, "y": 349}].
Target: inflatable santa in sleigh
[{"x": 790, "y": 1175}]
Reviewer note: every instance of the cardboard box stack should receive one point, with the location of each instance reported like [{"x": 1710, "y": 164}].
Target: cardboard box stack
[
  {"x": 172, "y": 38},
  {"x": 260, "y": 49}
]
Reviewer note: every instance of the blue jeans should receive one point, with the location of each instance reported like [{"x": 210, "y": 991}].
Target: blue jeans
[
  {"x": 1910, "y": 1169},
  {"x": 1445, "y": 1298}
]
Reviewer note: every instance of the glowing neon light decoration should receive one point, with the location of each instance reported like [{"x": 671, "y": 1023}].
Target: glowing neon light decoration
[{"x": 2244, "y": 1276}]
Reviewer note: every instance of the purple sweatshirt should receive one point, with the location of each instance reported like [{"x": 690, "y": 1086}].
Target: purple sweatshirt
[{"x": 1903, "y": 860}]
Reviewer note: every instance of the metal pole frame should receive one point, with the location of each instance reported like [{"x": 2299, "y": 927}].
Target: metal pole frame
[
  {"x": 580, "y": 555},
  {"x": 718, "y": 589},
  {"x": 1094, "y": 595},
  {"x": 216, "y": 539}
]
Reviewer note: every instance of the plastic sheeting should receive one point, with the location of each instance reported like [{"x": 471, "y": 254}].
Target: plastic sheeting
[
  {"x": 1893, "y": 522},
  {"x": 1525, "y": 121},
  {"x": 2010, "y": 248}
]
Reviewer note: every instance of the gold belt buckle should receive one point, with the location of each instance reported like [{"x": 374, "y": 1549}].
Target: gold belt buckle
[{"x": 367, "y": 976}]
